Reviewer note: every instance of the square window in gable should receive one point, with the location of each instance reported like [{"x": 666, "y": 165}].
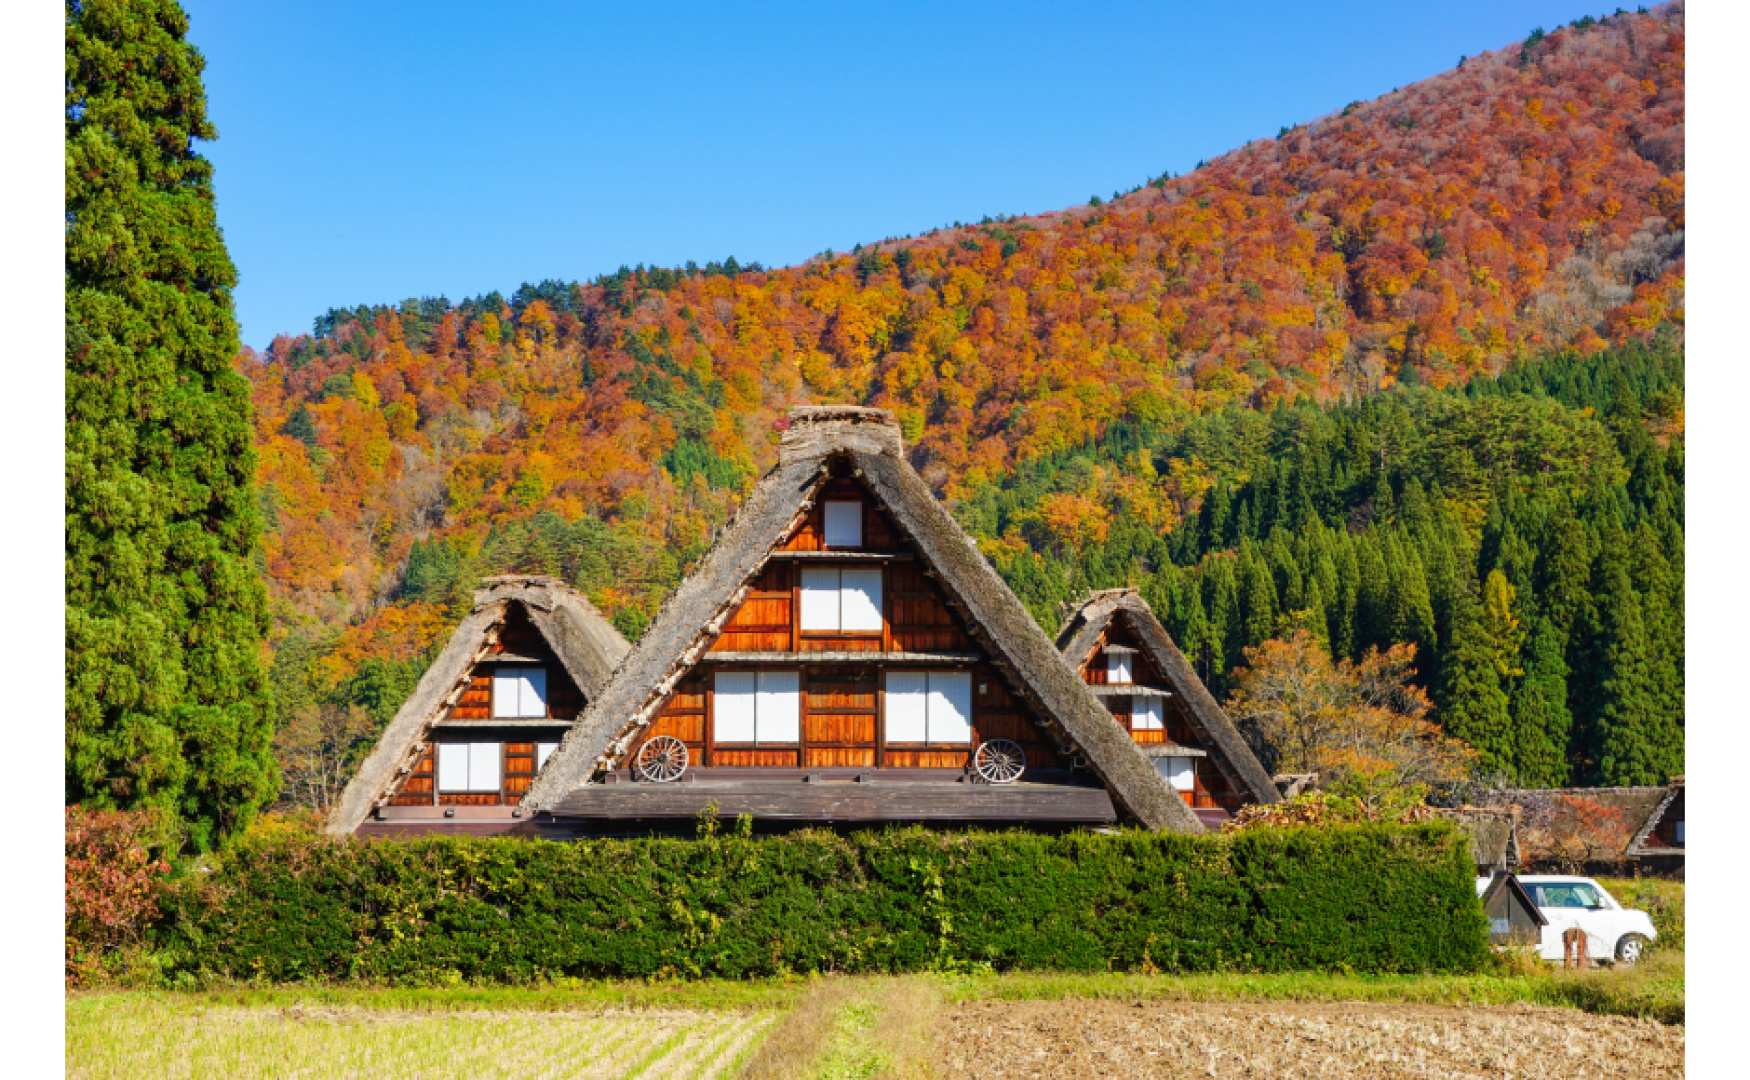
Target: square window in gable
[
  {"x": 519, "y": 692},
  {"x": 842, "y": 523}
]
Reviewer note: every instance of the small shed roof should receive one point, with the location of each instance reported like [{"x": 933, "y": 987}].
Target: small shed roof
[{"x": 1506, "y": 879}]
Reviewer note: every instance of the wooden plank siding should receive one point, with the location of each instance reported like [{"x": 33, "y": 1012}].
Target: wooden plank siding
[
  {"x": 517, "y": 637},
  {"x": 1211, "y": 787},
  {"x": 842, "y": 700}
]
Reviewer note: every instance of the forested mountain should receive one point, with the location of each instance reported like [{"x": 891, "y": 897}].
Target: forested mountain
[{"x": 1264, "y": 369}]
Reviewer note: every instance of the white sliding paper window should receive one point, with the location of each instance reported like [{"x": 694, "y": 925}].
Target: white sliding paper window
[
  {"x": 929, "y": 707},
  {"x": 1180, "y": 772},
  {"x": 519, "y": 692},
  {"x": 468, "y": 767},
  {"x": 1146, "y": 714},
  {"x": 843, "y": 522},
  {"x": 860, "y": 599},
  {"x": 543, "y": 751},
  {"x": 757, "y": 707},
  {"x": 908, "y": 706},
  {"x": 841, "y": 599},
  {"x": 1118, "y": 667}
]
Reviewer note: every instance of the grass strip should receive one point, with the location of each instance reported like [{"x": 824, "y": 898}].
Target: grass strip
[{"x": 1653, "y": 989}]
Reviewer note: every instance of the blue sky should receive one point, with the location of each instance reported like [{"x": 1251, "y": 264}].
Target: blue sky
[{"x": 372, "y": 152}]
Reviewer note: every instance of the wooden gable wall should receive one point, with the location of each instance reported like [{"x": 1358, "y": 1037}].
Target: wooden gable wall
[
  {"x": 1213, "y": 786},
  {"x": 842, "y": 702},
  {"x": 517, "y": 636}
]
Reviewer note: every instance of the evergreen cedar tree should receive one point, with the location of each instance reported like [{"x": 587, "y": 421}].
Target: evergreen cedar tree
[{"x": 167, "y": 699}]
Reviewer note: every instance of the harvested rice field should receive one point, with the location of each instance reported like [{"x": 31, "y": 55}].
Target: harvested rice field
[
  {"x": 152, "y": 1039},
  {"x": 1248, "y": 1039},
  {"x": 972, "y": 1025}
]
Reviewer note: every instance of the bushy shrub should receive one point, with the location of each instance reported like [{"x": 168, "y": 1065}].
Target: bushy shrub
[
  {"x": 115, "y": 875},
  {"x": 1366, "y": 897}
]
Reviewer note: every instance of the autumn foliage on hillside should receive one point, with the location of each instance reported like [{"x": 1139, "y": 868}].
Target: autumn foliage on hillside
[{"x": 1530, "y": 200}]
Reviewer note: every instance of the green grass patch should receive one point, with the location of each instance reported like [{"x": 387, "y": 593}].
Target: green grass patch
[
  {"x": 562, "y": 996},
  {"x": 1653, "y": 989},
  {"x": 1660, "y": 898}
]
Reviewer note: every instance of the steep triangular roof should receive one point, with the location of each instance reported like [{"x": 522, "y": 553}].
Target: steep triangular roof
[
  {"x": 1506, "y": 879},
  {"x": 1081, "y": 632},
  {"x": 1638, "y": 845},
  {"x": 868, "y": 441},
  {"x": 586, "y": 644}
]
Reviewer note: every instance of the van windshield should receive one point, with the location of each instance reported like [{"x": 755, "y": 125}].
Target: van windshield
[{"x": 1568, "y": 895}]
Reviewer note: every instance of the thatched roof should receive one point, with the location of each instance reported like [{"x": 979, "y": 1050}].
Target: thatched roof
[
  {"x": 1081, "y": 633},
  {"x": 1494, "y": 834},
  {"x": 1642, "y": 807},
  {"x": 868, "y": 442},
  {"x": 1640, "y": 845},
  {"x": 586, "y": 644}
]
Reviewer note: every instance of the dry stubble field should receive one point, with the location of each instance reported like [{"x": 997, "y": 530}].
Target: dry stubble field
[{"x": 1250, "y": 1039}]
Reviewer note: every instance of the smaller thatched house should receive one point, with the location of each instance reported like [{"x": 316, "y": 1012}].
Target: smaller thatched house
[
  {"x": 1604, "y": 828},
  {"x": 486, "y": 715},
  {"x": 1120, "y": 649},
  {"x": 845, "y": 655},
  {"x": 1658, "y": 843}
]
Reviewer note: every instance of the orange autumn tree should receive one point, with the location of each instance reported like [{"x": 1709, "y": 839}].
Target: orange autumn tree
[{"x": 1362, "y": 726}]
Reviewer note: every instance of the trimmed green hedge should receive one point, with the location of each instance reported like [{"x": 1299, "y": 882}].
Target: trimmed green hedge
[{"x": 1372, "y": 898}]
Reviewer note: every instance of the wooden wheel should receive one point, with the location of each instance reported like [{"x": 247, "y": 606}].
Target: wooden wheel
[
  {"x": 999, "y": 761},
  {"x": 662, "y": 759}
]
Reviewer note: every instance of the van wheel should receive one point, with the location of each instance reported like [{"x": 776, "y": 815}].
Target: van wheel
[{"x": 1631, "y": 948}]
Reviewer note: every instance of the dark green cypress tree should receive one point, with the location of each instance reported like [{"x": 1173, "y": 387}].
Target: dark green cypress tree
[
  {"x": 167, "y": 700},
  {"x": 1472, "y": 705},
  {"x": 1257, "y": 595},
  {"x": 1410, "y": 612},
  {"x": 1661, "y": 592},
  {"x": 1221, "y": 596},
  {"x": 1341, "y": 610},
  {"x": 1373, "y": 622},
  {"x": 1637, "y": 741},
  {"x": 1541, "y": 721}
]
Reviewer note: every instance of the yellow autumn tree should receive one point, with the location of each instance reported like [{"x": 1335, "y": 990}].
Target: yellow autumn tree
[{"x": 1362, "y": 726}]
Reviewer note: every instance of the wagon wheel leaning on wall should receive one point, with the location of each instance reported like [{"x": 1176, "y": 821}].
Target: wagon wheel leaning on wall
[
  {"x": 999, "y": 761},
  {"x": 662, "y": 759}
]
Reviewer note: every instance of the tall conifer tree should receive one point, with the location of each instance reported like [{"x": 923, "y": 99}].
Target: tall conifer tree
[
  {"x": 1637, "y": 741},
  {"x": 167, "y": 703},
  {"x": 1471, "y": 704},
  {"x": 1541, "y": 721}
]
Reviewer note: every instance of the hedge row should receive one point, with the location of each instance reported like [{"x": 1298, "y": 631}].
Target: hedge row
[{"x": 1372, "y": 898}]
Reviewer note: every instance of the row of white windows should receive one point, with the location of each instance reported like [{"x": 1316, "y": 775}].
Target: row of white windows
[
  {"x": 478, "y": 767},
  {"x": 766, "y": 707}
]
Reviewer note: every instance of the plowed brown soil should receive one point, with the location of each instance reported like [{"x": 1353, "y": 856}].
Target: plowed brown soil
[{"x": 1110, "y": 1038}]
